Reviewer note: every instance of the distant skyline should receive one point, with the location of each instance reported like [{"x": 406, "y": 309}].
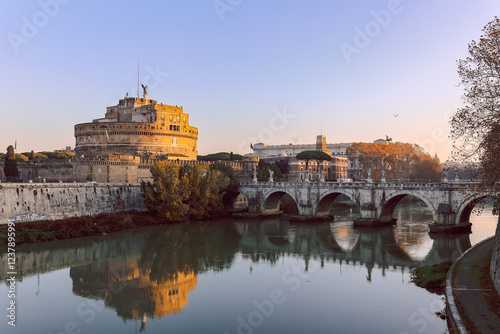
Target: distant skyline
[{"x": 277, "y": 72}]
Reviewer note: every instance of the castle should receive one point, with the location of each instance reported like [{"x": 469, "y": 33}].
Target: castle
[{"x": 133, "y": 133}]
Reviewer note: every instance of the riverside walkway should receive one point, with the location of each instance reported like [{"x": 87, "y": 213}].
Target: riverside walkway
[{"x": 469, "y": 309}]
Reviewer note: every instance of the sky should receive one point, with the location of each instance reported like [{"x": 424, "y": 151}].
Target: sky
[{"x": 272, "y": 71}]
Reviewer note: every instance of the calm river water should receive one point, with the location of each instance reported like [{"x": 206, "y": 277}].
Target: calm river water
[{"x": 235, "y": 276}]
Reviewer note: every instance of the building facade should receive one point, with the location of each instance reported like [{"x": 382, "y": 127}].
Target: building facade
[
  {"x": 265, "y": 151},
  {"x": 333, "y": 170}
]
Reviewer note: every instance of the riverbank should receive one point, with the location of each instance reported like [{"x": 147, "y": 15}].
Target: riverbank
[
  {"x": 84, "y": 226},
  {"x": 47, "y": 230},
  {"x": 473, "y": 303},
  {"x": 432, "y": 278}
]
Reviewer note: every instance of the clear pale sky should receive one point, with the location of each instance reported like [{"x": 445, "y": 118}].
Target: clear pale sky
[{"x": 274, "y": 71}]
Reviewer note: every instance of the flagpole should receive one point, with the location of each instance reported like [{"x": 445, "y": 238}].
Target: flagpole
[{"x": 137, "y": 77}]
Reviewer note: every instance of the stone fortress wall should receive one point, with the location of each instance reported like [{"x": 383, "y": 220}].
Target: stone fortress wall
[{"x": 38, "y": 201}]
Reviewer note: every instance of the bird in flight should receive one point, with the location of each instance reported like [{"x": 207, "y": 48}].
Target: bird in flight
[{"x": 395, "y": 115}]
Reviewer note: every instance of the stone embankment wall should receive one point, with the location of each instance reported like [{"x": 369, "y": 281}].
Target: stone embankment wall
[
  {"x": 495, "y": 261},
  {"x": 38, "y": 201}
]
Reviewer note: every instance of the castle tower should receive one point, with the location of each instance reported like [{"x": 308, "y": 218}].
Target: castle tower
[{"x": 321, "y": 143}]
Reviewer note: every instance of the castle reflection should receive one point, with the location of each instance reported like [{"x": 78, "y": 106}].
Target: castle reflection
[{"x": 126, "y": 287}]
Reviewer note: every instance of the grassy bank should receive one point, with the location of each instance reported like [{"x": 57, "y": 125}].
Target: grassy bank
[
  {"x": 47, "y": 230},
  {"x": 432, "y": 278}
]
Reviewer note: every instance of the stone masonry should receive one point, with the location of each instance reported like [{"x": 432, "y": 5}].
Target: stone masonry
[{"x": 37, "y": 201}]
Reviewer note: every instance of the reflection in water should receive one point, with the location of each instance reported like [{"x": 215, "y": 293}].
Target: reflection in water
[
  {"x": 129, "y": 290},
  {"x": 411, "y": 231},
  {"x": 342, "y": 229},
  {"x": 482, "y": 227},
  {"x": 155, "y": 279},
  {"x": 152, "y": 272}
]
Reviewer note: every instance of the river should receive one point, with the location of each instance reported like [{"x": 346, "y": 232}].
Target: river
[{"x": 237, "y": 276}]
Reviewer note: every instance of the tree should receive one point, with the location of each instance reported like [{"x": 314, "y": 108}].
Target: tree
[
  {"x": 220, "y": 156},
  {"x": 10, "y": 169},
  {"x": 475, "y": 127},
  {"x": 263, "y": 169},
  {"x": 283, "y": 165},
  {"x": 231, "y": 191},
  {"x": 180, "y": 193},
  {"x": 205, "y": 189},
  {"x": 319, "y": 156},
  {"x": 32, "y": 155},
  {"x": 166, "y": 195},
  {"x": 397, "y": 161}
]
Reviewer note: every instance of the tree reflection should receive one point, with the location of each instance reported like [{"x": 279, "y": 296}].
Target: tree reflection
[
  {"x": 185, "y": 248},
  {"x": 156, "y": 280}
]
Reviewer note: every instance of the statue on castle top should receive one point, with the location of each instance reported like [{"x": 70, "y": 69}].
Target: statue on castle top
[{"x": 144, "y": 89}]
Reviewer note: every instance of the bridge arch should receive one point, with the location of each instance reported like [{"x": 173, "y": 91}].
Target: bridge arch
[
  {"x": 390, "y": 205},
  {"x": 465, "y": 209},
  {"x": 239, "y": 200},
  {"x": 326, "y": 201},
  {"x": 272, "y": 201}
]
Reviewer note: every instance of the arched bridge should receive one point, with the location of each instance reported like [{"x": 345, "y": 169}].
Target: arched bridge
[{"x": 449, "y": 204}]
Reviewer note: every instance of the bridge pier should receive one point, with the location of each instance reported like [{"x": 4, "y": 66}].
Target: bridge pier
[
  {"x": 446, "y": 219},
  {"x": 370, "y": 217}
]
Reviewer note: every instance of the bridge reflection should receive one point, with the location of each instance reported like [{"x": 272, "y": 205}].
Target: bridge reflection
[{"x": 339, "y": 242}]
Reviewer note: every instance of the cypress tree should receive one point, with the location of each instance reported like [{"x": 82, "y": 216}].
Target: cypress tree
[{"x": 10, "y": 170}]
